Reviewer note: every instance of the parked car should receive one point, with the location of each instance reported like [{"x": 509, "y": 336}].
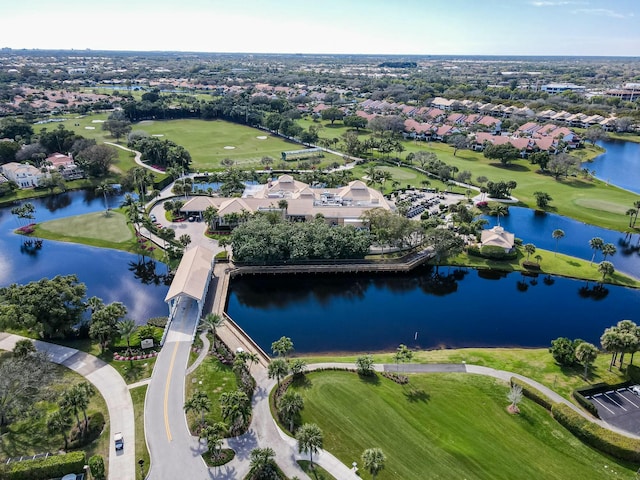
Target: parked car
[
  {"x": 635, "y": 389},
  {"x": 119, "y": 441}
]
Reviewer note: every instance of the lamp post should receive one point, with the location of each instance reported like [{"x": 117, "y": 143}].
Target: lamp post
[{"x": 141, "y": 463}]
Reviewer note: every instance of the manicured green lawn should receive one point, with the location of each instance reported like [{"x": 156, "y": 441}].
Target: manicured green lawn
[
  {"x": 138, "y": 395},
  {"x": 535, "y": 363},
  {"x": 550, "y": 264},
  {"x": 97, "y": 230},
  {"x": 590, "y": 201},
  {"x": 214, "y": 378},
  {"x": 444, "y": 426},
  {"x": 110, "y": 227}
]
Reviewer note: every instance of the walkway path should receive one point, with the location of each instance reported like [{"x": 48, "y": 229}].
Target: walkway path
[
  {"x": 137, "y": 157},
  {"x": 106, "y": 379}
]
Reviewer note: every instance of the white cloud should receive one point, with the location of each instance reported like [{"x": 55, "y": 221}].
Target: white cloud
[
  {"x": 550, "y": 3},
  {"x": 602, "y": 12}
]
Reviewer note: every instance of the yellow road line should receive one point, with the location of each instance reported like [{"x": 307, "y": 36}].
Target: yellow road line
[{"x": 166, "y": 392}]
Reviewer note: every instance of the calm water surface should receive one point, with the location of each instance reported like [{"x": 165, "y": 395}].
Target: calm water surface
[
  {"x": 538, "y": 229},
  {"x": 619, "y": 165},
  {"x": 377, "y": 313},
  {"x": 107, "y": 273}
]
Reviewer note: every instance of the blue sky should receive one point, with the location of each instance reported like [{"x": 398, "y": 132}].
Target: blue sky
[{"x": 438, "y": 27}]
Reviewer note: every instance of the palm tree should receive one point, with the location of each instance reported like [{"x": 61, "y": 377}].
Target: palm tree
[
  {"x": 282, "y": 347},
  {"x": 309, "y": 439},
  {"x": 72, "y": 402},
  {"x": 515, "y": 396},
  {"x": 199, "y": 403},
  {"x": 500, "y": 210},
  {"x": 105, "y": 189},
  {"x": 86, "y": 390},
  {"x": 611, "y": 342},
  {"x": 210, "y": 215},
  {"x": 262, "y": 464},
  {"x": 636, "y": 205},
  {"x": 210, "y": 323},
  {"x": 586, "y": 353},
  {"x": 59, "y": 422},
  {"x": 278, "y": 369},
  {"x": 373, "y": 460},
  {"x": 596, "y": 244},
  {"x": 290, "y": 405},
  {"x": 530, "y": 248},
  {"x": 184, "y": 240},
  {"x": 94, "y": 304},
  {"x": 608, "y": 249},
  {"x": 632, "y": 212},
  {"x": 235, "y": 408},
  {"x": 127, "y": 328},
  {"x": 557, "y": 235},
  {"x": 606, "y": 269}
]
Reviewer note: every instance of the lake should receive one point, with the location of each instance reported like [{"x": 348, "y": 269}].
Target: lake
[
  {"x": 378, "y": 312},
  {"x": 619, "y": 165},
  {"x": 538, "y": 229},
  {"x": 112, "y": 275}
]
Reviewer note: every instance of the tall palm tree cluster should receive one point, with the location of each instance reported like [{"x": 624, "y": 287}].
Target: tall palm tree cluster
[{"x": 620, "y": 339}]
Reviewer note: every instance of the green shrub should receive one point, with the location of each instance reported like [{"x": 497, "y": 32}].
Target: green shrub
[
  {"x": 612, "y": 443},
  {"x": 497, "y": 253},
  {"x": 55, "y": 466},
  {"x": 529, "y": 265},
  {"x": 159, "y": 322},
  {"x": 582, "y": 400},
  {"x": 533, "y": 393},
  {"x": 96, "y": 464},
  {"x": 633, "y": 373}
]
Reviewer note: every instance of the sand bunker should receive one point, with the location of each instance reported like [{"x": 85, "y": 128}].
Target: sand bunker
[
  {"x": 229, "y": 147},
  {"x": 90, "y": 128},
  {"x": 261, "y": 137},
  {"x": 158, "y": 135},
  {"x": 97, "y": 121}
]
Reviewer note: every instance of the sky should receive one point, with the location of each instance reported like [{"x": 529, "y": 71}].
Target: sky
[{"x": 421, "y": 27}]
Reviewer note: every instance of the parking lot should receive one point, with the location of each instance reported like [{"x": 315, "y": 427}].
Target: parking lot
[
  {"x": 620, "y": 407},
  {"x": 425, "y": 200}
]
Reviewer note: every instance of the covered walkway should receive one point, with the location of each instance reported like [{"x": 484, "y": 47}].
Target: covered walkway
[{"x": 191, "y": 280}]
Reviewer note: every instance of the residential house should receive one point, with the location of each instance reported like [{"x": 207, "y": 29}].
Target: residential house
[{"x": 23, "y": 174}]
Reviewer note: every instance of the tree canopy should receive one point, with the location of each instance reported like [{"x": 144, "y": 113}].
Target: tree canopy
[{"x": 49, "y": 307}]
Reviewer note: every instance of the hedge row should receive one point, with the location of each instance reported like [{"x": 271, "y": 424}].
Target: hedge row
[
  {"x": 616, "y": 445},
  {"x": 55, "y": 466},
  {"x": 582, "y": 400},
  {"x": 533, "y": 393}
]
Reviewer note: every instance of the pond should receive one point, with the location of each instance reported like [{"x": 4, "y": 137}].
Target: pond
[
  {"x": 538, "y": 229},
  {"x": 619, "y": 165},
  {"x": 109, "y": 274},
  {"x": 464, "y": 309}
]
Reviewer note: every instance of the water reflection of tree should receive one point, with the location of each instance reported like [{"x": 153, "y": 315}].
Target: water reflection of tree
[
  {"x": 439, "y": 284},
  {"x": 597, "y": 292},
  {"x": 57, "y": 202},
  {"x": 145, "y": 271},
  {"x": 626, "y": 245}
]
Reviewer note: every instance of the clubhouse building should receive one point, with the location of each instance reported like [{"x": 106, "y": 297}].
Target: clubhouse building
[{"x": 296, "y": 200}]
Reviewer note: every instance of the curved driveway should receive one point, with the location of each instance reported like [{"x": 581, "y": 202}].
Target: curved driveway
[{"x": 111, "y": 386}]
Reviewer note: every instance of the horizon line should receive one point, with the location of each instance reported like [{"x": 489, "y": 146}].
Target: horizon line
[{"x": 530, "y": 55}]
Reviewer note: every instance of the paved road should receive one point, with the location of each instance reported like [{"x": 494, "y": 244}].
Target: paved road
[
  {"x": 174, "y": 452},
  {"x": 111, "y": 386}
]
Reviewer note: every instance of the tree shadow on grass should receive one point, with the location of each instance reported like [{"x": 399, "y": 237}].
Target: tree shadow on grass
[
  {"x": 370, "y": 379},
  {"x": 415, "y": 395},
  {"x": 302, "y": 381}
]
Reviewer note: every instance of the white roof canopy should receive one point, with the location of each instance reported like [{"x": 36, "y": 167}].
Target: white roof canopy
[{"x": 192, "y": 277}]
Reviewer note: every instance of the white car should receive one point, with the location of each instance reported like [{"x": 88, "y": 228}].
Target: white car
[
  {"x": 119, "y": 441},
  {"x": 635, "y": 389}
]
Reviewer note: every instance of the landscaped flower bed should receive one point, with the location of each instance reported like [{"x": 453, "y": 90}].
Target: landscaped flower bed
[
  {"x": 27, "y": 229},
  {"x": 123, "y": 358}
]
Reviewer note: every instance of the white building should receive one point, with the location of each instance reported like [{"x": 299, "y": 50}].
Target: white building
[{"x": 23, "y": 174}]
